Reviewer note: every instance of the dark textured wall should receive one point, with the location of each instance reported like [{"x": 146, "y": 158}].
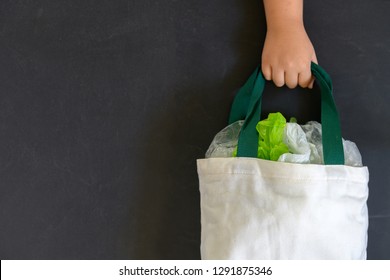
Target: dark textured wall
[{"x": 105, "y": 106}]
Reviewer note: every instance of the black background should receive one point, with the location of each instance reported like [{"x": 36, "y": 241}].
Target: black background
[{"x": 106, "y": 105}]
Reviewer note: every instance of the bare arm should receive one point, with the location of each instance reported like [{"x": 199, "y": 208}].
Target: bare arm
[{"x": 287, "y": 51}]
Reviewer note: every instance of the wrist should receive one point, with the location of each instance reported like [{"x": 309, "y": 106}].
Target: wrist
[
  {"x": 285, "y": 24},
  {"x": 283, "y": 14}
]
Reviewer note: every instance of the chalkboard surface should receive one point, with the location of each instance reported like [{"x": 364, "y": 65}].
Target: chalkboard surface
[{"x": 106, "y": 105}]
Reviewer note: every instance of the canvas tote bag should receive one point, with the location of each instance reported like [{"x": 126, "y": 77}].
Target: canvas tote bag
[{"x": 259, "y": 209}]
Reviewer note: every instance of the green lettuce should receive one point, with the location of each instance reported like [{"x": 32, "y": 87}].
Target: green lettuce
[{"x": 271, "y": 145}]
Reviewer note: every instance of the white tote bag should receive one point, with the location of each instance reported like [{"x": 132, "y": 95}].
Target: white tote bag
[{"x": 259, "y": 209}]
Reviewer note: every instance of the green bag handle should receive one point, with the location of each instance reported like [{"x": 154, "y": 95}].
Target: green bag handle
[{"x": 247, "y": 105}]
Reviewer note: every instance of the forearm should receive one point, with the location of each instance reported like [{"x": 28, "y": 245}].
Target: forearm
[{"x": 282, "y": 14}]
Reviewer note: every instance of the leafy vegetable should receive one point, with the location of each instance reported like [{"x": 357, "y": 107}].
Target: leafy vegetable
[{"x": 270, "y": 130}]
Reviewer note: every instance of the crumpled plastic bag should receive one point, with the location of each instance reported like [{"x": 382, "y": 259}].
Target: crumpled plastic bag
[
  {"x": 298, "y": 146},
  {"x": 225, "y": 142},
  {"x": 313, "y": 131},
  {"x": 303, "y": 142}
]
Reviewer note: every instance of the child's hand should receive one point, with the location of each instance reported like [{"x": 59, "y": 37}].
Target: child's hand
[{"x": 287, "y": 55}]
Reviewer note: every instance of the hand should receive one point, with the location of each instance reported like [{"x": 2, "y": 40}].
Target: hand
[{"x": 287, "y": 56}]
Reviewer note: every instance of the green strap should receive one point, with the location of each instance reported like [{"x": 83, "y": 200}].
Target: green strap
[
  {"x": 247, "y": 105},
  {"x": 242, "y": 99}
]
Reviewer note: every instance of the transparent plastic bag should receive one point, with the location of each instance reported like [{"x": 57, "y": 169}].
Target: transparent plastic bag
[
  {"x": 225, "y": 142},
  {"x": 313, "y": 131},
  {"x": 295, "y": 139},
  {"x": 303, "y": 141}
]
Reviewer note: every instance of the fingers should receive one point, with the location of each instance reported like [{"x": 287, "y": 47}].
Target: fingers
[
  {"x": 267, "y": 71},
  {"x": 273, "y": 74},
  {"x": 311, "y": 83},
  {"x": 290, "y": 77},
  {"x": 278, "y": 77},
  {"x": 314, "y": 59},
  {"x": 305, "y": 78}
]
